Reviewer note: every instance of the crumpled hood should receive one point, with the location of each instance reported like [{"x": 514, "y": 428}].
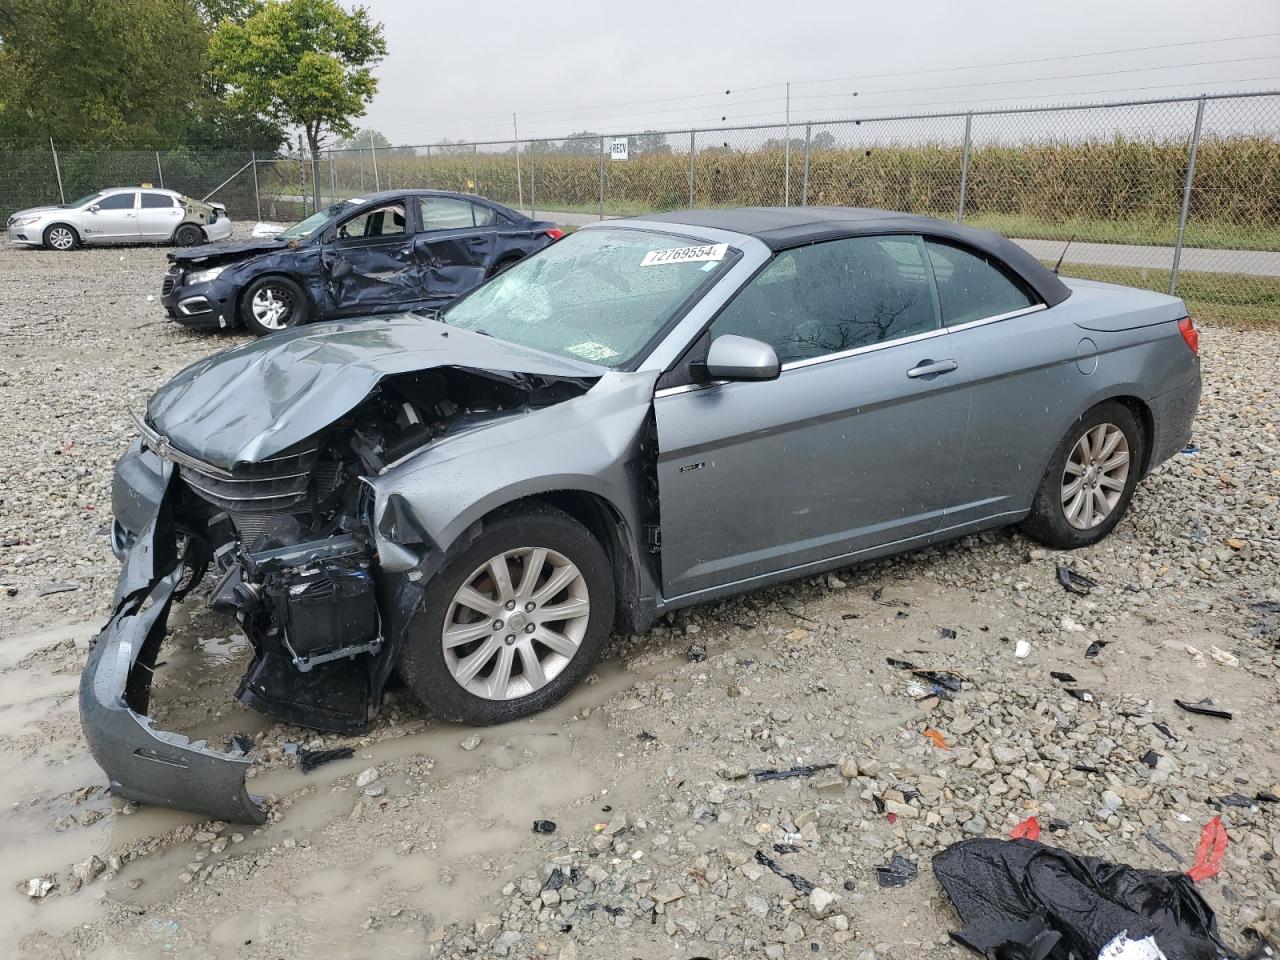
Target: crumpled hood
[
  {"x": 225, "y": 250},
  {"x": 255, "y": 401}
]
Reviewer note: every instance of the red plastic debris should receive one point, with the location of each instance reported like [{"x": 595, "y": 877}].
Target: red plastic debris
[
  {"x": 938, "y": 739},
  {"x": 893, "y": 818},
  {"x": 1028, "y": 829},
  {"x": 1213, "y": 846}
]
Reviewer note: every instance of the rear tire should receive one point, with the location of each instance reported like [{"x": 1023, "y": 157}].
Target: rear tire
[
  {"x": 272, "y": 304},
  {"x": 1090, "y": 480},
  {"x": 188, "y": 235},
  {"x": 61, "y": 237},
  {"x": 496, "y": 667}
]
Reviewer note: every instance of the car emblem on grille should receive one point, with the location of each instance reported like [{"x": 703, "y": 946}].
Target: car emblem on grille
[{"x": 160, "y": 447}]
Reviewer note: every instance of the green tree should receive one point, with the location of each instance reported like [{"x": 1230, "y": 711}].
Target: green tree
[
  {"x": 305, "y": 63},
  {"x": 110, "y": 72}
]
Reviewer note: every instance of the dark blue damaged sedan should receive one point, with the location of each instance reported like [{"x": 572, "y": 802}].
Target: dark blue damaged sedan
[{"x": 382, "y": 253}]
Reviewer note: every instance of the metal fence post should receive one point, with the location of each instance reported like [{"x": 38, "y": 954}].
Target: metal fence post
[
  {"x": 427, "y": 166},
  {"x": 475, "y": 168},
  {"x": 373, "y": 150},
  {"x": 1186, "y": 197},
  {"x": 333, "y": 179},
  {"x": 57, "y": 170},
  {"x": 602, "y": 178},
  {"x": 257, "y": 197},
  {"x": 964, "y": 167},
  {"x": 804, "y": 182},
  {"x": 693, "y": 156},
  {"x": 159, "y": 170}
]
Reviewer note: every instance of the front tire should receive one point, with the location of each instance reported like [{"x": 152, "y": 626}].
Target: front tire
[
  {"x": 188, "y": 235},
  {"x": 514, "y": 622},
  {"x": 273, "y": 304},
  {"x": 61, "y": 237},
  {"x": 1090, "y": 480}
]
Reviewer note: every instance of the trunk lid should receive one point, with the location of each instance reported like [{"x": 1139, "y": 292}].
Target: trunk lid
[{"x": 1112, "y": 308}]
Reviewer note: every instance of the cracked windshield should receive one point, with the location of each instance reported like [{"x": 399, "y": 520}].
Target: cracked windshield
[{"x": 598, "y": 295}]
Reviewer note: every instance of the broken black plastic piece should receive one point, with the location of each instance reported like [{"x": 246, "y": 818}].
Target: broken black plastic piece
[
  {"x": 1205, "y": 708},
  {"x": 1095, "y": 648},
  {"x": 242, "y": 743},
  {"x": 555, "y": 881},
  {"x": 1164, "y": 730},
  {"x": 947, "y": 633},
  {"x": 782, "y": 849},
  {"x": 1084, "y": 696},
  {"x": 942, "y": 678},
  {"x": 1063, "y": 677},
  {"x": 1151, "y": 758},
  {"x": 1233, "y": 800},
  {"x": 308, "y": 760},
  {"x": 800, "y": 883},
  {"x": 805, "y": 771},
  {"x": 898, "y": 872},
  {"x": 1085, "y": 768},
  {"x": 899, "y": 664},
  {"x": 1265, "y": 796},
  {"x": 1165, "y": 848},
  {"x": 544, "y": 826},
  {"x": 1073, "y": 582}
]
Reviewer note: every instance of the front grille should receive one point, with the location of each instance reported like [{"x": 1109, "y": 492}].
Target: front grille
[
  {"x": 265, "y": 487},
  {"x": 170, "y": 281}
]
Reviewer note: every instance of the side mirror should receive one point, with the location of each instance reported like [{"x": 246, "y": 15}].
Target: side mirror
[
  {"x": 94, "y": 208},
  {"x": 741, "y": 358}
]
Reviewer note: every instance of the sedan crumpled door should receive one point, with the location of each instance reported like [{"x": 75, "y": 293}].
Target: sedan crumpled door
[
  {"x": 371, "y": 266},
  {"x": 454, "y": 261}
]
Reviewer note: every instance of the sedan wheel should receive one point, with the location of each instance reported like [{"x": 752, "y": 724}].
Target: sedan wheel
[
  {"x": 273, "y": 303},
  {"x": 60, "y": 238},
  {"x": 516, "y": 623},
  {"x": 1090, "y": 479},
  {"x": 271, "y": 306},
  {"x": 1095, "y": 476}
]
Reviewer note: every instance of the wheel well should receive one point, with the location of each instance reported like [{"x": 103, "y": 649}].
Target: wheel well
[
  {"x": 607, "y": 525},
  {"x": 1142, "y": 413},
  {"x": 60, "y": 223},
  {"x": 190, "y": 223}
]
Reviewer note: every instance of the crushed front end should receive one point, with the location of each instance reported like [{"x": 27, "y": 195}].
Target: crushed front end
[{"x": 286, "y": 545}]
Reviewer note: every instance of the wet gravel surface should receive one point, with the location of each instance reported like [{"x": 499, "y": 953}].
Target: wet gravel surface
[{"x": 420, "y": 845}]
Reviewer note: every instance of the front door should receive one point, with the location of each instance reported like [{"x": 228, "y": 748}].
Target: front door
[
  {"x": 113, "y": 218},
  {"x": 858, "y": 442},
  {"x": 383, "y": 272}
]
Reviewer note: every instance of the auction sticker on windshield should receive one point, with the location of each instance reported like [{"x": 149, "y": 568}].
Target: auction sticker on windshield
[{"x": 706, "y": 251}]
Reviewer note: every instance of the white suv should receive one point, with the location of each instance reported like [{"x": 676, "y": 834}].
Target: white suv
[{"x": 122, "y": 215}]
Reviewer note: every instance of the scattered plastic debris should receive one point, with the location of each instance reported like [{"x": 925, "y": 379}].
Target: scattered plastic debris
[
  {"x": 1233, "y": 800},
  {"x": 899, "y": 664},
  {"x": 938, "y": 739},
  {"x": 308, "y": 760},
  {"x": 1190, "y": 450},
  {"x": 544, "y": 826},
  {"x": 697, "y": 653},
  {"x": 1022, "y": 649},
  {"x": 1122, "y": 948},
  {"x": 1165, "y": 848},
  {"x": 942, "y": 678},
  {"x": 242, "y": 743},
  {"x": 1073, "y": 582},
  {"x": 1151, "y": 758},
  {"x": 898, "y": 872},
  {"x": 1095, "y": 648},
  {"x": 1028, "y": 829},
  {"x": 805, "y": 771},
  {"x": 1213, "y": 846},
  {"x": 1084, "y": 696},
  {"x": 1205, "y": 708},
  {"x": 1164, "y": 731},
  {"x": 1062, "y": 677},
  {"x": 800, "y": 883},
  {"x": 785, "y": 848},
  {"x": 947, "y": 633},
  {"x": 1223, "y": 658},
  {"x": 1265, "y": 796},
  {"x": 1021, "y": 898},
  {"x": 56, "y": 586},
  {"x": 555, "y": 881}
]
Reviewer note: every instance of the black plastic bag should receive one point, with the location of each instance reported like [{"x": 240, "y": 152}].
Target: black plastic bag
[{"x": 1023, "y": 900}]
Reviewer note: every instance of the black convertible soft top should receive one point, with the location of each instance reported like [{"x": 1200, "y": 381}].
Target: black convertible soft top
[{"x": 781, "y": 228}]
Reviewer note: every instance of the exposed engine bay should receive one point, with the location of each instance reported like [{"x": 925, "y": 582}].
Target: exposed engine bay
[{"x": 289, "y": 539}]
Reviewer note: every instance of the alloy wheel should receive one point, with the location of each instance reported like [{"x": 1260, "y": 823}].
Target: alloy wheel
[
  {"x": 272, "y": 307},
  {"x": 1095, "y": 476},
  {"x": 61, "y": 238},
  {"x": 515, "y": 623}
]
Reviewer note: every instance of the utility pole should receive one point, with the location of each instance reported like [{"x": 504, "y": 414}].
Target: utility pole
[
  {"x": 519, "y": 176},
  {"x": 786, "y": 155}
]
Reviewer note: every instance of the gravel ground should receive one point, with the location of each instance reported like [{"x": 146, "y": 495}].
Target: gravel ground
[{"x": 421, "y": 844}]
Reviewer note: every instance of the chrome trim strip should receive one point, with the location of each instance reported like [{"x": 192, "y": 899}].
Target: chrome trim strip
[
  {"x": 685, "y": 388},
  {"x": 284, "y": 476},
  {"x": 295, "y": 495},
  {"x": 161, "y": 447},
  {"x": 869, "y": 348},
  {"x": 999, "y": 316}
]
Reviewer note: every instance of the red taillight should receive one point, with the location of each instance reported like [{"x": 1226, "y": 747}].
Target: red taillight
[
  {"x": 1187, "y": 327},
  {"x": 555, "y": 233}
]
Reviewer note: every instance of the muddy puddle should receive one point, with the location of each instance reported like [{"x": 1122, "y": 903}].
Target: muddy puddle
[{"x": 472, "y": 810}]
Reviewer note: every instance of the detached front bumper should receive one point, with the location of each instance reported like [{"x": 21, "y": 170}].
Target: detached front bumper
[{"x": 141, "y": 763}]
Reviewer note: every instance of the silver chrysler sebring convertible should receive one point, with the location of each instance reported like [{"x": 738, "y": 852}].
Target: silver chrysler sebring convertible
[{"x": 645, "y": 415}]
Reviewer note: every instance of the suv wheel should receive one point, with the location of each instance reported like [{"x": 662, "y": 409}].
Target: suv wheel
[{"x": 513, "y": 622}]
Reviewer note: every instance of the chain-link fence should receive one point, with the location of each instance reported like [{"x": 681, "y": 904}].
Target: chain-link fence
[{"x": 1174, "y": 194}]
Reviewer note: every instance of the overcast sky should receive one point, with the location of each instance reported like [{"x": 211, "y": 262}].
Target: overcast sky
[{"x": 459, "y": 70}]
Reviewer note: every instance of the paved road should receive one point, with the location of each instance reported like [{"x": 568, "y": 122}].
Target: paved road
[{"x": 1254, "y": 263}]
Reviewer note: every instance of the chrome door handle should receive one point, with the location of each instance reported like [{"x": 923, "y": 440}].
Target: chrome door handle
[{"x": 928, "y": 369}]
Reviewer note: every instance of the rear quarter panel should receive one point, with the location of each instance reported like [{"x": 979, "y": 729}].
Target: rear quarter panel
[{"x": 1032, "y": 377}]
